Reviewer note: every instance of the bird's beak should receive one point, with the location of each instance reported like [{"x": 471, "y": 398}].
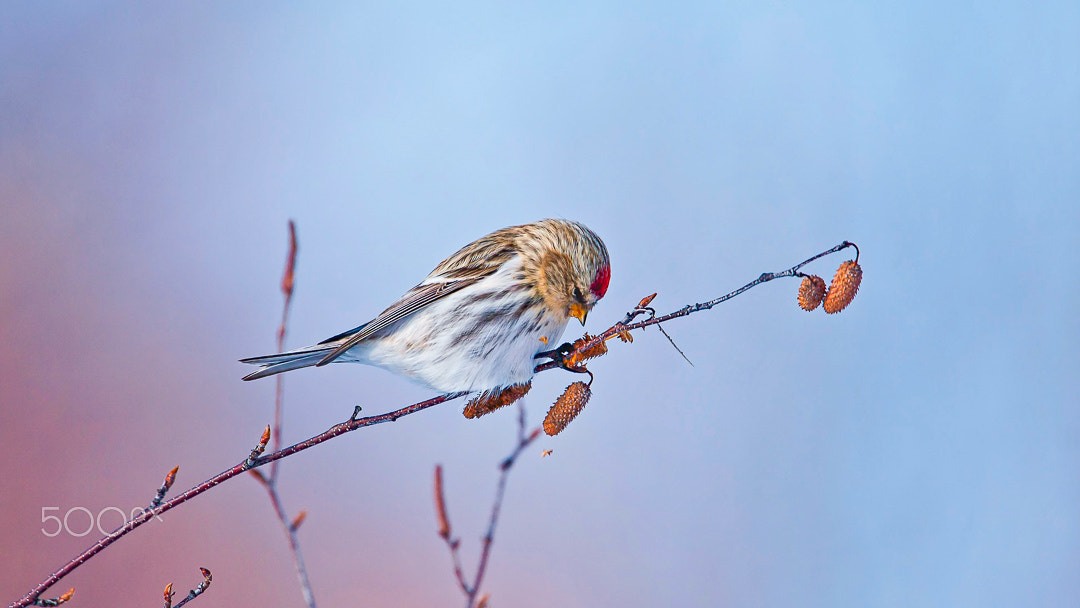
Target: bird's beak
[{"x": 579, "y": 312}]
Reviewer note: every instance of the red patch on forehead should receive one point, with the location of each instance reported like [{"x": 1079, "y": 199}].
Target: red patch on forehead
[{"x": 600, "y": 283}]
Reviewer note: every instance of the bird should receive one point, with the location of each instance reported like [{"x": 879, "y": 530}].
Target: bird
[{"x": 477, "y": 322}]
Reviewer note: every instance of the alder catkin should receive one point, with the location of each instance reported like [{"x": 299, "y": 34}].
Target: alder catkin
[
  {"x": 596, "y": 350},
  {"x": 811, "y": 292},
  {"x": 489, "y": 401},
  {"x": 566, "y": 407},
  {"x": 843, "y": 288}
]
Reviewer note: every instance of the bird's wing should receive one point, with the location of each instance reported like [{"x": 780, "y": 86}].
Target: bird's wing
[{"x": 439, "y": 284}]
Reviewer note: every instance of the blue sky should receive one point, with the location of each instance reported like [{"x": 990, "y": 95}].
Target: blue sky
[{"x": 921, "y": 448}]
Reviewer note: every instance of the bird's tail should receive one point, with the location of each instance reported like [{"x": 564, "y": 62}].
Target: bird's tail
[{"x": 283, "y": 362}]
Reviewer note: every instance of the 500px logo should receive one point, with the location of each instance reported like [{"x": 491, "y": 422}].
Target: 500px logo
[{"x": 65, "y": 524}]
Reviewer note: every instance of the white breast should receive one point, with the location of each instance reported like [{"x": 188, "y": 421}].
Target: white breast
[{"x": 482, "y": 337}]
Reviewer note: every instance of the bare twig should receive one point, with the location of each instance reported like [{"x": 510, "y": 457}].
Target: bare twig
[
  {"x": 676, "y": 346},
  {"x": 445, "y": 530},
  {"x": 270, "y": 481},
  {"x": 626, "y": 325},
  {"x": 440, "y": 505},
  {"x": 354, "y": 423},
  {"x": 56, "y": 601},
  {"x": 471, "y": 590},
  {"x": 287, "y": 283},
  {"x": 290, "y": 528},
  {"x": 194, "y": 593},
  {"x": 643, "y": 305},
  {"x": 142, "y": 518}
]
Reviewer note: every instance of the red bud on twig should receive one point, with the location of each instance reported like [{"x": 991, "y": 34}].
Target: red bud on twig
[
  {"x": 299, "y": 519},
  {"x": 259, "y": 449},
  {"x": 290, "y": 263},
  {"x": 170, "y": 478},
  {"x": 646, "y": 301},
  {"x": 440, "y": 505}
]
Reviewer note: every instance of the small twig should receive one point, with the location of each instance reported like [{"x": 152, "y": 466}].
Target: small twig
[
  {"x": 626, "y": 325},
  {"x": 489, "y": 538},
  {"x": 288, "y": 281},
  {"x": 290, "y": 528},
  {"x": 643, "y": 307},
  {"x": 194, "y": 593},
  {"x": 269, "y": 481},
  {"x": 661, "y": 328},
  {"x": 56, "y": 601},
  {"x": 440, "y": 505},
  {"x": 470, "y": 590},
  {"x": 445, "y": 531}
]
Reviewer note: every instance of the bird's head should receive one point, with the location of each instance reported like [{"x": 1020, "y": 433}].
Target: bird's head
[{"x": 574, "y": 273}]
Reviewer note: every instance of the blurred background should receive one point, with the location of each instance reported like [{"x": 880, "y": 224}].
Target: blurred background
[{"x": 921, "y": 448}]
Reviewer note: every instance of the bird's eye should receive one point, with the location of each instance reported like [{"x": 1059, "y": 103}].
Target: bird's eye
[{"x": 577, "y": 293}]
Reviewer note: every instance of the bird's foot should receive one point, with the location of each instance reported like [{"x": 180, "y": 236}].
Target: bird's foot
[{"x": 558, "y": 355}]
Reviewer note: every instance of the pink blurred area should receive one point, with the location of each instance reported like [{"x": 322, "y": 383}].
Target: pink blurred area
[
  {"x": 121, "y": 320},
  {"x": 106, "y": 383},
  {"x": 116, "y": 363}
]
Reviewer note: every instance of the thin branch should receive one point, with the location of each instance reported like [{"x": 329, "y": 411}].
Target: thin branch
[
  {"x": 270, "y": 481},
  {"x": 676, "y": 346},
  {"x": 194, "y": 593},
  {"x": 354, "y": 423},
  {"x": 338, "y": 429},
  {"x": 626, "y": 324},
  {"x": 471, "y": 590},
  {"x": 489, "y": 538},
  {"x": 287, "y": 284},
  {"x": 445, "y": 531},
  {"x": 56, "y": 601},
  {"x": 290, "y": 528}
]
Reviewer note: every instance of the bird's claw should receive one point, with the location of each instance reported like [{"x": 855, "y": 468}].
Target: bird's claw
[
  {"x": 558, "y": 355},
  {"x": 561, "y": 357}
]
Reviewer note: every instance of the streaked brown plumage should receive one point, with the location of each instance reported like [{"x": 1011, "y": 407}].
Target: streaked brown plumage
[{"x": 479, "y": 318}]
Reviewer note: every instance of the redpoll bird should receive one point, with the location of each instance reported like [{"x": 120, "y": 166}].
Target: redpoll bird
[{"x": 479, "y": 319}]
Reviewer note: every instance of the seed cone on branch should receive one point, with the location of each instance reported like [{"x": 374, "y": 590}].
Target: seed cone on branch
[
  {"x": 596, "y": 350},
  {"x": 489, "y": 401},
  {"x": 811, "y": 292},
  {"x": 844, "y": 287},
  {"x": 566, "y": 407}
]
